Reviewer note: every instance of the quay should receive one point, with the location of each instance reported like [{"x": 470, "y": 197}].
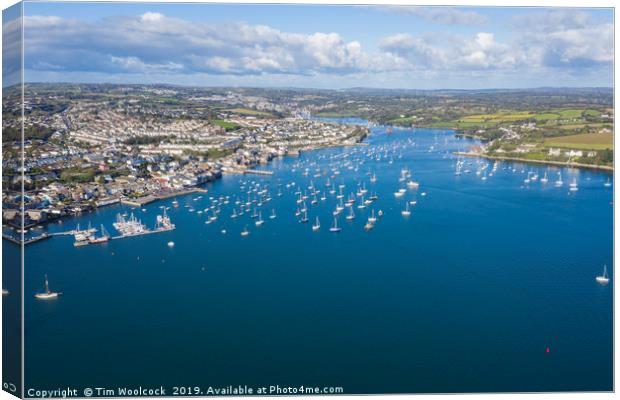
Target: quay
[
  {"x": 258, "y": 172},
  {"x": 145, "y": 232},
  {"x": 141, "y": 201},
  {"x": 25, "y": 242}
]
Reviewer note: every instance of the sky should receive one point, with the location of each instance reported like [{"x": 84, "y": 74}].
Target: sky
[{"x": 316, "y": 46}]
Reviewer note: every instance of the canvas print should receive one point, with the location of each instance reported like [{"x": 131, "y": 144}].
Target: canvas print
[{"x": 211, "y": 199}]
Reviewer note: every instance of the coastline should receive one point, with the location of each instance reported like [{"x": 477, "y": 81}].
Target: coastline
[
  {"x": 542, "y": 162},
  {"x": 151, "y": 198}
]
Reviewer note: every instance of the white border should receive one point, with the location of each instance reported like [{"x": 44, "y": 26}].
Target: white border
[{"x": 483, "y": 3}]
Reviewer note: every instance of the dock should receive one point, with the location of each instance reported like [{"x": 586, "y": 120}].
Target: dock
[
  {"x": 258, "y": 172},
  {"x": 141, "y": 201},
  {"x": 28, "y": 241},
  {"x": 146, "y": 232}
]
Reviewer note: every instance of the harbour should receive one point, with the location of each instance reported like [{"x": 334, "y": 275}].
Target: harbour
[{"x": 432, "y": 282}]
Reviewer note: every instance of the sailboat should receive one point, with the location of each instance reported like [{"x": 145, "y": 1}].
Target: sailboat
[
  {"x": 335, "y": 227},
  {"x": 544, "y": 179},
  {"x": 608, "y": 183},
  {"x": 304, "y": 219},
  {"x": 372, "y": 219},
  {"x": 573, "y": 185},
  {"x": 351, "y": 215},
  {"x": 259, "y": 221},
  {"x": 47, "y": 294},
  {"x": 245, "y": 232},
  {"x": 102, "y": 239},
  {"x": 559, "y": 182},
  {"x": 317, "y": 225},
  {"x": 406, "y": 211},
  {"x": 273, "y": 214},
  {"x": 603, "y": 279}
]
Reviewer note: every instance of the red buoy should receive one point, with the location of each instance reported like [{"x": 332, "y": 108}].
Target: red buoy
[{"x": 548, "y": 350}]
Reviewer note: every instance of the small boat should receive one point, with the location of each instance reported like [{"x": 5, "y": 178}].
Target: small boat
[
  {"x": 369, "y": 226},
  {"x": 259, "y": 221},
  {"x": 335, "y": 227},
  {"x": 559, "y": 181},
  {"x": 245, "y": 232},
  {"x": 608, "y": 183},
  {"x": 406, "y": 212},
  {"x": 170, "y": 244},
  {"x": 317, "y": 225},
  {"x": 573, "y": 185},
  {"x": 351, "y": 215},
  {"x": 603, "y": 279},
  {"x": 304, "y": 219},
  {"x": 413, "y": 185},
  {"x": 372, "y": 219},
  {"x": 273, "y": 214},
  {"x": 544, "y": 179},
  {"x": 47, "y": 294}
]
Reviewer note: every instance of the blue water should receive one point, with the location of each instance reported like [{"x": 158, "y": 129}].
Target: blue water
[{"x": 464, "y": 295}]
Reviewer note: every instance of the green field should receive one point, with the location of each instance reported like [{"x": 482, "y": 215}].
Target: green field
[
  {"x": 228, "y": 125},
  {"x": 588, "y": 141},
  {"x": 508, "y": 116},
  {"x": 248, "y": 111}
]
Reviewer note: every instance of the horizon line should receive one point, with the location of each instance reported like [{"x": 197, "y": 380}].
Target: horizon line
[{"x": 306, "y": 88}]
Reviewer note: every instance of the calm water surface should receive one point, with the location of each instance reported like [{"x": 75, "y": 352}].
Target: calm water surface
[{"x": 466, "y": 294}]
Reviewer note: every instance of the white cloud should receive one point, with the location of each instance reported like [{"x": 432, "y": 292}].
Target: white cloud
[
  {"x": 153, "y": 41},
  {"x": 155, "y": 44},
  {"x": 442, "y": 15},
  {"x": 151, "y": 17}
]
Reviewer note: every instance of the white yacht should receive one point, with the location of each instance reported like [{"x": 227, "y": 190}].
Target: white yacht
[
  {"x": 259, "y": 221},
  {"x": 573, "y": 185},
  {"x": 603, "y": 279},
  {"x": 335, "y": 227},
  {"x": 559, "y": 181},
  {"x": 47, "y": 294},
  {"x": 317, "y": 225},
  {"x": 351, "y": 215}
]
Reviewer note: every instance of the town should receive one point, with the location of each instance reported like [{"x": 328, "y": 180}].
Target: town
[{"x": 105, "y": 145}]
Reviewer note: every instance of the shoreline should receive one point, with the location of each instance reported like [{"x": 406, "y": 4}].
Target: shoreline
[
  {"x": 542, "y": 162},
  {"x": 151, "y": 198}
]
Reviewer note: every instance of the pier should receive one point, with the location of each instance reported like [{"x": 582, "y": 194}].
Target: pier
[
  {"x": 28, "y": 241},
  {"x": 258, "y": 172},
  {"x": 141, "y": 201}
]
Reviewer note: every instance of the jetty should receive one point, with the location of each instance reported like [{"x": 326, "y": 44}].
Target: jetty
[
  {"x": 27, "y": 241},
  {"x": 258, "y": 172},
  {"x": 141, "y": 201}
]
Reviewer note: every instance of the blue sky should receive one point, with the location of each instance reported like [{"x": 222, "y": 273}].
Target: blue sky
[{"x": 318, "y": 46}]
